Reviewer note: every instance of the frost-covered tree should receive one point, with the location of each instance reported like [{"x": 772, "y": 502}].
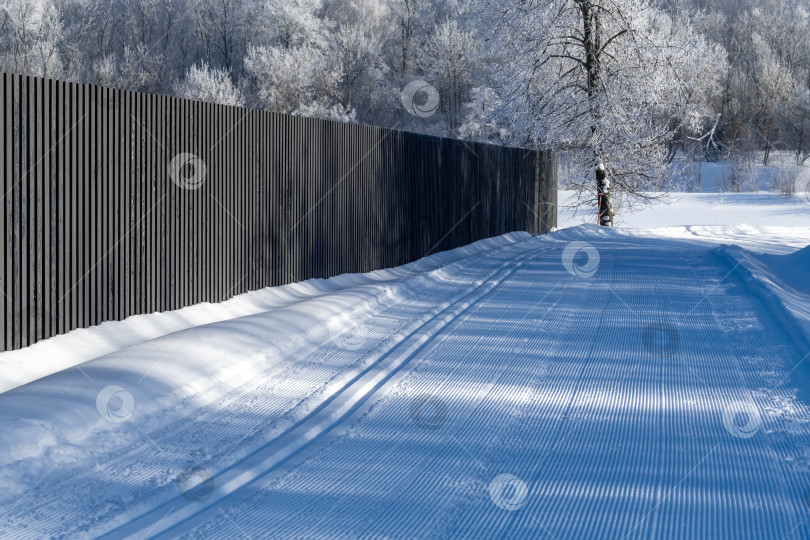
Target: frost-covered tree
[
  {"x": 481, "y": 119},
  {"x": 32, "y": 36},
  {"x": 139, "y": 68},
  {"x": 775, "y": 85},
  {"x": 765, "y": 51},
  {"x": 407, "y": 17},
  {"x": 105, "y": 71},
  {"x": 447, "y": 58},
  {"x": 287, "y": 66},
  {"x": 223, "y": 27},
  {"x": 290, "y": 23},
  {"x": 286, "y": 79},
  {"x": 358, "y": 55},
  {"x": 798, "y": 122},
  {"x": 209, "y": 84},
  {"x": 612, "y": 79},
  {"x": 320, "y": 109}
]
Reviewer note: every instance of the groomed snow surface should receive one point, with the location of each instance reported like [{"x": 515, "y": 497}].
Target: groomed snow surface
[{"x": 648, "y": 382}]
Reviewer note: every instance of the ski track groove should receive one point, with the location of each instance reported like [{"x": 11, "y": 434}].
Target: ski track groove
[{"x": 502, "y": 266}]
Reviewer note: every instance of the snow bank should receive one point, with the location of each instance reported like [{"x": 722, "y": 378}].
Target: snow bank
[
  {"x": 782, "y": 283},
  {"x": 793, "y": 269}
]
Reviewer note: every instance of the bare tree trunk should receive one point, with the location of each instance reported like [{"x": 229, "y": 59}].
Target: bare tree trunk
[
  {"x": 406, "y": 22},
  {"x": 592, "y": 45},
  {"x": 603, "y": 186}
]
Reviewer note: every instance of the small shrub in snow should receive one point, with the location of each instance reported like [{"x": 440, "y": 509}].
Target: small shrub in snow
[
  {"x": 336, "y": 112},
  {"x": 209, "y": 84},
  {"x": 784, "y": 181}
]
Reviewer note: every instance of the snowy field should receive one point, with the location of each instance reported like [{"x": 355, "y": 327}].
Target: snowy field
[
  {"x": 762, "y": 221},
  {"x": 649, "y": 381}
]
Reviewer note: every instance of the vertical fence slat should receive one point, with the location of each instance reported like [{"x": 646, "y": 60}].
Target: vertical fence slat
[
  {"x": 39, "y": 258},
  {"x": 4, "y": 222},
  {"x": 125, "y": 233},
  {"x": 48, "y": 228},
  {"x": 14, "y": 160},
  {"x": 95, "y": 226},
  {"x": 26, "y": 210}
]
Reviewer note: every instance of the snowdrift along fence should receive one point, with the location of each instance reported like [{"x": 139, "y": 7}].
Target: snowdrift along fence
[{"x": 117, "y": 203}]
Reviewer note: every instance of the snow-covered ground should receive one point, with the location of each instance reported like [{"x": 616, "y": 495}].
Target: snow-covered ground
[
  {"x": 650, "y": 381},
  {"x": 760, "y": 221}
]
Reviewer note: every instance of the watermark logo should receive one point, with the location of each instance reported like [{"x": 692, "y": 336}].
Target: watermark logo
[
  {"x": 195, "y": 484},
  {"x": 508, "y": 492},
  {"x": 350, "y": 338},
  {"x": 420, "y": 99},
  {"x": 661, "y": 339},
  {"x": 742, "y": 419},
  {"x": 187, "y": 171},
  {"x": 115, "y": 404},
  {"x": 106, "y": 98},
  {"x": 581, "y": 259},
  {"x": 428, "y": 412}
]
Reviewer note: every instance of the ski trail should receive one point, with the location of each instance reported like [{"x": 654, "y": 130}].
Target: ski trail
[
  {"x": 615, "y": 435},
  {"x": 85, "y": 344}
]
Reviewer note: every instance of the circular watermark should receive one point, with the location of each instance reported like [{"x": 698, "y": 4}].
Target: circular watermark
[
  {"x": 742, "y": 419},
  {"x": 187, "y": 171},
  {"x": 106, "y": 98},
  {"x": 661, "y": 339},
  {"x": 508, "y": 492},
  {"x": 115, "y": 404},
  {"x": 420, "y": 99},
  {"x": 428, "y": 412},
  {"x": 581, "y": 259},
  {"x": 350, "y": 338},
  {"x": 195, "y": 484}
]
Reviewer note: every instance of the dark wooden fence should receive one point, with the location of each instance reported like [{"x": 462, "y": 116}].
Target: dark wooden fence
[{"x": 118, "y": 203}]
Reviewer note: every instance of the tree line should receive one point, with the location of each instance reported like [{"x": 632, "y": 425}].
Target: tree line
[{"x": 624, "y": 85}]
